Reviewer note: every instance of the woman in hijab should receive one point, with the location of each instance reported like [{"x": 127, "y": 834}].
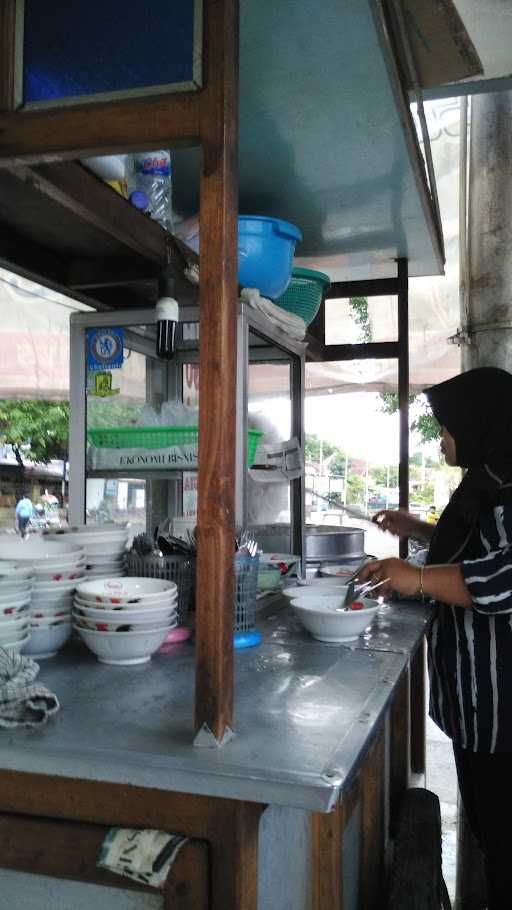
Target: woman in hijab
[{"x": 468, "y": 577}]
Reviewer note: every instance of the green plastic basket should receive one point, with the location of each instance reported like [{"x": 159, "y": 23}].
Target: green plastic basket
[
  {"x": 158, "y": 438},
  {"x": 303, "y": 295}
]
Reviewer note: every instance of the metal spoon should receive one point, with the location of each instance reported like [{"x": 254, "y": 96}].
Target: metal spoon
[{"x": 361, "y": 591}]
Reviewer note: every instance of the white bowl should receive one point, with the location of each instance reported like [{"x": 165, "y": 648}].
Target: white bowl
[
  {"x": 315, "y": 582},
  {"x": 325, "y": 624},
  {"x": 123, "y": 648},
  {"x": 61, "y": 576},
  {"x": 9, "y": 613},
  {"x": 287, "y": 562},
  {"x": 99, "y": 559},
  {"x": 15, "y": 587},
  {"x": 340, "y": 570},
  {"x": 123, "y": 625},
  {"x": 50, "y": 612},
  {"x": 51, "y": 587},
  {"x": 91, "y": 575},
  {"x": 54, "y": 599},
  {"x": 14, "y": 571},
  {"x": 15, "y": 599},
  {"x": 53, "y": 623},
  {"x": 312, "y": 594},
  {"x": 17, "y": 645},
  {"x": 10, "y": 630},
  {"x": 126, "y": 590},
  {"x": 329, "y": 602},
  {"x": 46, "y": 642},
  {"x": 39, "y": 551},
  {"x": 145, "y": 614}
]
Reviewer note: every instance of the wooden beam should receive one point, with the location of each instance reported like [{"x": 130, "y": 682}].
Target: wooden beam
[
  {"x": 102, "y": 128},
  {"x": 217, "y": 371},
  {"x": 7, "y": 54},
  {"x": 399, "y": 749},
  {"x": 111, "y": 272},
  {"x": 83, "y": 194},
  {"x": 373, "y": 836},
  {"x": 327, "y": 865},
  {"x": 30, "y": 257}
]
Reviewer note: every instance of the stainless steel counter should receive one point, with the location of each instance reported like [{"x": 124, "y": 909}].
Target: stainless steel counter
[{"x": 304, "y": 714}]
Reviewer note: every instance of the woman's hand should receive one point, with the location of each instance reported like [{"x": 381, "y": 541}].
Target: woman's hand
[
  {"x": 403, "y": 578},
  {"x": 402, "y": 524}
]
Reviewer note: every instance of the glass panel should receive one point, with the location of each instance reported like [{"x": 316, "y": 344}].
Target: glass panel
[
  {"x": 116, "y": 398},
  {"x": 352, "y": 454},
  {"x": 361, "y": 319},
  {"x": 74, "y": 49}
]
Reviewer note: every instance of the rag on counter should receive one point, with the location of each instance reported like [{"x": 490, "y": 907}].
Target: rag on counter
[
  {"x": 288, "y": 322},
  {"x": 23, "y": 703}
]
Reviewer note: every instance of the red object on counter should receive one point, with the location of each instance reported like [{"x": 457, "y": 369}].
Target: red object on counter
[{"x": 357, "y": 605}]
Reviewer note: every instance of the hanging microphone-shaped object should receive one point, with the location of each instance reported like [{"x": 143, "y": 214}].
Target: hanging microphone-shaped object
[{"x": 168, "y": 316}]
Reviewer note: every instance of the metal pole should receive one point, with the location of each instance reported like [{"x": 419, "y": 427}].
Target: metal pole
[{"x": 403, "y": 392}]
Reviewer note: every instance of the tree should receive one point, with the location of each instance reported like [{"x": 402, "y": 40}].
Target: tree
[{"x": 38, "y": 430}]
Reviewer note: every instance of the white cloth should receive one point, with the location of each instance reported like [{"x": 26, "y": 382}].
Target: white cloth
[
  {"x": 23, "y": 703},
  {"x": 288, "y": 322}
]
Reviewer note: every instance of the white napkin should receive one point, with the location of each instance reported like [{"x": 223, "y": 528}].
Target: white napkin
[
  {"x": 145, "y": 855},
  {"x": 287, "y": 322},
  {"x": 23, "y": 703}
]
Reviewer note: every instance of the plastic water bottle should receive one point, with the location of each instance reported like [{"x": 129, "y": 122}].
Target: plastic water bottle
[{"x": 152, "y": 176}]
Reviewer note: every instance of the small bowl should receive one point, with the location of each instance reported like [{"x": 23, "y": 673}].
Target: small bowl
[
  {"x": 122, "y": 625},
  {"x": 126, "y": 590},
  {"x": 17, "y": 645},
  {"x": 269, "y": 578},
  {"x": 46, "y": 642},
  {"x": 329, "y": 602},
  {"x": 40, "y": 552},
  {"x": 7, "y": 614},
  {"x": 124, "y": 649},
  {"x": 325, "y": 624},
  {"x": 312, "y": 594},
  {"x": 146, "y": 614},
  {"x": 9, "y": 630},
  {"x": 15, "y": 596}
]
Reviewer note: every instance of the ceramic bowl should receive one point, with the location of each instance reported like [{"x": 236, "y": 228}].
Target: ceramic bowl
[
  {"x": 165, "y": 602},
  {"x": 121, "y": 626},
  {"x": 45, "y": 642},
  {"x": 12, "y": 571},
  {"x": 269, "y": 578},
  {"x": 126, "y": 590},
  {"x": 123, "y": 649},
  {"x": 40, "y": 551},
  {"x": 61, "y": 576},
  {"x": 339, "y": 570},
  {"x": 311, "y": 593},
  {"x": 17, "y": 645},
  {"x": 49, "y": 613},
  {"x": 9, "y": 630},
  {"x": 146, "y": 614},
  {"x": 15, "y": 598},
  {"x": 316, "y": 582},
  {"x": 325, "y": 624},
  {"x": 15, "y": 586},
  {"x": 286, "y": 562},
  {"x": 8, "y": 613},
  {"x": 56, "y": 587}
]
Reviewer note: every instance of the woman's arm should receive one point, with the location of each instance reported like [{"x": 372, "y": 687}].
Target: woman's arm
[
  {"x": 443, "y": 583},
  {"x": 403, "y": 524}
]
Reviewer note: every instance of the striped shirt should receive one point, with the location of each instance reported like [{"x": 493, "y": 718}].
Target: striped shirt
[{"x": 470, "y": 650}]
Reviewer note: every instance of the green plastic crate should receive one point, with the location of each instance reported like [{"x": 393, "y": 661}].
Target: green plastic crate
[
  {"x": 303, "y": 295},
  {"x": 157, "y": 438}
]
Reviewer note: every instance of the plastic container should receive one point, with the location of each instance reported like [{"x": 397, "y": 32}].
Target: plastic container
[
  {"x": 246, "y": 589},
  {"x": 151, "y": 174},
  {"x": 304, "y": 293},
  {"x": 266, "y": 247},
  {"x": 180, "y": 569}
]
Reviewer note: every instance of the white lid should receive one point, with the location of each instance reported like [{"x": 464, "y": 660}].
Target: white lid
[{"x": 167, "y": 309}]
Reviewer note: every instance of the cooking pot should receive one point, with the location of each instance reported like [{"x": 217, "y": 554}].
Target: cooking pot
[{"x": 323, "y": 543}]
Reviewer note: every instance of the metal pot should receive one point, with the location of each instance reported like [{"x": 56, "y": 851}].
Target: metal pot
[{"x": 324, "y": 543}]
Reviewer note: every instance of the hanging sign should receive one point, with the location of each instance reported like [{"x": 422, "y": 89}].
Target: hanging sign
[
  {"x": 105, "y": 349},
  {"x": 103, "y": 385}
]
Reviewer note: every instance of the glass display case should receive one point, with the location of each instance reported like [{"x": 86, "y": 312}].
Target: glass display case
[{"x": 133, "y": 436}]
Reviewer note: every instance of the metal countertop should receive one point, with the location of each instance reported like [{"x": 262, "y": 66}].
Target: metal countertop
[{"x": 305, "y": 712}]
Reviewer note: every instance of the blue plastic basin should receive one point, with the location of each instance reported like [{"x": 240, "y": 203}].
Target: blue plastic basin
[{"x": 266, "y": 247}]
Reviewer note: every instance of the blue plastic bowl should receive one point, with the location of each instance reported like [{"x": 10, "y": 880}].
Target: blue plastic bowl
[{"x": 266, "y": 247}]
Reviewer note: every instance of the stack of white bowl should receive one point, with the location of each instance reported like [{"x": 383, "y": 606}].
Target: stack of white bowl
[
  {"x": 104, "y": 546},
  {"x": 15, "y": 594},
  {"x": 56, "y": 568},
  {"x": 125, "y": 620}
]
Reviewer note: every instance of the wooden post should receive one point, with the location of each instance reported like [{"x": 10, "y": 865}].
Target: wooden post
[
  {"x": 217, "y": 372},
  {"x": 373, "y": 835},
  {"x": 7, "y": 54}
]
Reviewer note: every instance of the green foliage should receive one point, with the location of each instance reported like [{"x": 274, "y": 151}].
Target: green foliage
[
  {"x": 424, "y": 423},
  {"x": 38, "y": 430},
  {"x": 359, "y": 310}
]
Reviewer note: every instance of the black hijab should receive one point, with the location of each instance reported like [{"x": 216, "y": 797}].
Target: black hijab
[{"x": 476, "y": 409}]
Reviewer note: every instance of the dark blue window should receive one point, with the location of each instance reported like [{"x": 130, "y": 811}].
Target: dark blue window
[{"x": 75, "y": 48}]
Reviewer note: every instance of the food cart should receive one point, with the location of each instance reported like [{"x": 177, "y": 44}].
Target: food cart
[{"x": 286, "y": 767}]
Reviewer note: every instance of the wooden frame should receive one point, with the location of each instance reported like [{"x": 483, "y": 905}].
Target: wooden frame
[{"x": 208, "y": 118}]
